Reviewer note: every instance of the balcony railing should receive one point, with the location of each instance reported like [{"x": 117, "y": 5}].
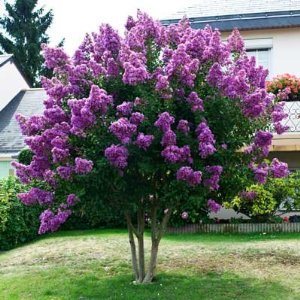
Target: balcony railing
[{"x": 292, "y": 108}]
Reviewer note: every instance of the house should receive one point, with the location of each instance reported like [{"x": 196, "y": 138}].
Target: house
[
  {"x": 271, "y": 30},
  {"x": 16, "y": 97}
]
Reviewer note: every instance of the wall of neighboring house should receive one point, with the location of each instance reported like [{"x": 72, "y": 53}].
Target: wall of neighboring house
[
  {"x": 11, "y": 83},
  {"x": 5, "y": 168},
  {"x": 284, "y": 45}
]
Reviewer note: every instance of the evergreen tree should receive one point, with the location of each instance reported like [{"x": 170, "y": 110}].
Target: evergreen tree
[{"x": 24, "y": 28}]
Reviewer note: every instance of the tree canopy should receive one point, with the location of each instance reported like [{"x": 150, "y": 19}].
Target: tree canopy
[{"x": 151, "y": 121}]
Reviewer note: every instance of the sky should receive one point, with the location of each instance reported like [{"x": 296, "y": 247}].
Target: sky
[{"x": 73, "y": 18}]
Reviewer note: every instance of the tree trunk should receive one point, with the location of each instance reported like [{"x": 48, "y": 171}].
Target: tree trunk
[
  {"x": 157, "y": 231},
  {"x": 152, "y": 263},
  {"x": 132, "y": 248},
  {"x": 140, "y": 238}
]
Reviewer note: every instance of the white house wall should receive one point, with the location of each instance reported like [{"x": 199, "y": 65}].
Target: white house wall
[{"x": 11, "y": 82}]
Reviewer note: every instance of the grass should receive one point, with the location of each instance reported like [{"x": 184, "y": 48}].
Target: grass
[{"x": 95, "y": 264}]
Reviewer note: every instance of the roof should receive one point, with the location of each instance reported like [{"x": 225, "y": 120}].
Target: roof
[
  {"x": 5, "y": 58},
  {"x": 282, "y": 19},
  {"x": 207, "y": 8},
  {"x": 27, "y": 102},
  {"x": 243, "y": 14}
]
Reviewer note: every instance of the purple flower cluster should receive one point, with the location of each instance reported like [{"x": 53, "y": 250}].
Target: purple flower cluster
[
  {"x": 278, "y": 115},
  {"x": 136, "y": 118},
  {"x": 144, "y": 141},
  {"x": 125, "y": 108},
  {"x": 72, "y": 199},
  {"x": 279, "y": 169},
  {"x": 190, "y": 176},
  {"x": 213, "y": 206},
  {"x": 51, "y": 222},
  {"x": 36, "y": 195},
  {"x": 262, "y": 141},
  {"x": 123, "y": 130},
  {"x": 117, "y": 156},
  {"x": 248, "y": 195},
  {"x": 169, "y": 138},
  {"x": 206, "y": 140},
  {"x": 235, "y": 42},
  {"x": 183, "y": 126},
  {"x": 175, "y": 154},
  {"x": 83, "y": 166},
  {"x": 195, "y": 102},
  {"x": 54, "y": 57},
  {"x": 164, "y": 121},
  {"x": 213, "y": 181},
  {"x": 184, "y": 215},
  {"x": 261, "y": 172}
]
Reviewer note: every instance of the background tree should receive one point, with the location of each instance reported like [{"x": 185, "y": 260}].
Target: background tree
[
  {"x": 24, "y": 29},
  {"x": 150, "y": 122}
]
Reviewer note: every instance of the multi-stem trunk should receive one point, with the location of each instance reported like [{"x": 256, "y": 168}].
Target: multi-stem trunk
[{"x": 138, "y": 257}]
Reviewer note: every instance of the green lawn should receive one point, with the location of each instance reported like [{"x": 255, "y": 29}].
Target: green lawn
[{"x": 96, "y": 265}]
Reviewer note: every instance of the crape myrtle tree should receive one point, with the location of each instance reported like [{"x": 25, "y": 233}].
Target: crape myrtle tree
[{"x": 152, "y": 121}]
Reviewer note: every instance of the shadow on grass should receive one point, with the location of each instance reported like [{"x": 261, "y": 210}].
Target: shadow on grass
[{"x": 167, "y": 286}]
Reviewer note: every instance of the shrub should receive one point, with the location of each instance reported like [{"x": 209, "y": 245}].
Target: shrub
[
  {"x": 25, "y": 156},
  {"x": 18, "y": 223},
  {"x": 261, "y": 202}
]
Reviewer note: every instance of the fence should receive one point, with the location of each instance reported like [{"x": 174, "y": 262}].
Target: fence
[{"x": 237, "y": 228}]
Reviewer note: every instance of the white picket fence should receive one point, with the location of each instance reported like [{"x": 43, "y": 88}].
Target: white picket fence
[{"x": 237, "y": 228}]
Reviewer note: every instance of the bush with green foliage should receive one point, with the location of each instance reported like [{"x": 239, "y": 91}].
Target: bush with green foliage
[
  {"x": 261, "y": 202},
  {"x": 18, "y": 223}
]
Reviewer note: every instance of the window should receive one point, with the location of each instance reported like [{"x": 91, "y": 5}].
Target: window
[
  {"x": 262, "y": 57},
  {"x": 261, "y": 49}
]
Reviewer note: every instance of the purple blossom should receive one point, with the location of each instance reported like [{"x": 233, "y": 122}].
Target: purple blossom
[
  {"x": 188, "y": 175},
  {"x": 54, "y": 57},
  {"x": 248, "y": 195},
  {"x": 36, "y": 195},
  {"x": 169, "y": 138},
  {"x": 125, "y": 108},
  {"x": 183, "y": 126},
  {"x": 280, "y": 129},
  {"x": 51, "y": 221},
  {"x": 59, "y": 155},
  {"x": 144, "y": 141},
  {"x": 261, "y": 173},
  {"x": 279, "y": 169},
  {"x": 72, "y": 199},
  {"x": 117, "y": 156},
  {"x": 184, "y": 215},
  {"x": 213, "y": 206},
  {"x": 175, "y": 154},
  {"x": 278, "y": 113},
  {"x": 123, "y": 130},
  {"x": 195, "y": 102},
  {"x": 206, "y": 140},
  {"x": 83, "y": 166},
  {"x": 65, "y": 172},
  {"x": 213, "y": 181},
  {"x": 137, "y": 118},
  {"x": 235, "y": 41},
  {"x": 164, "y": 121}
]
